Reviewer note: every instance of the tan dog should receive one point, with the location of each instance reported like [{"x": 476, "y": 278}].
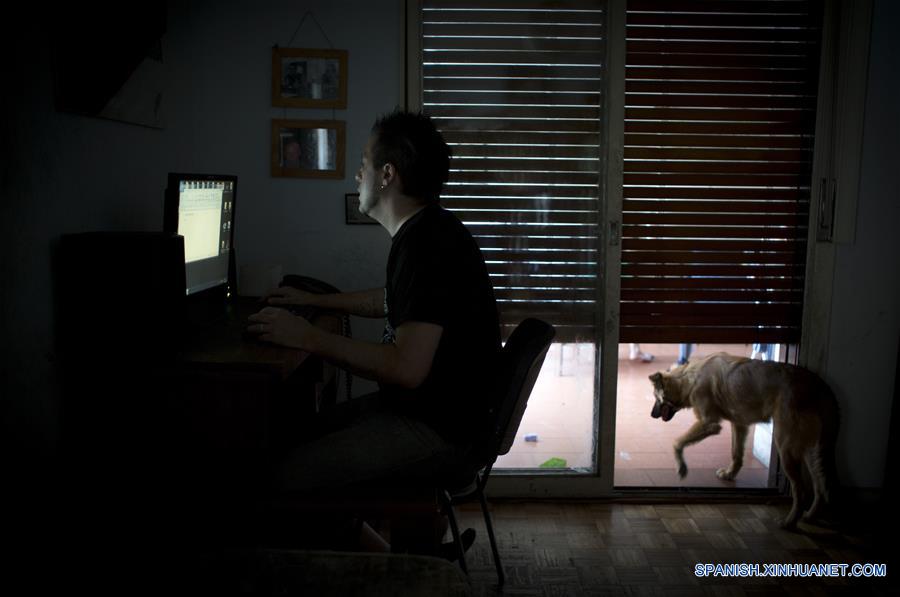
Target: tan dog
[{"x": 745, "y": 392}]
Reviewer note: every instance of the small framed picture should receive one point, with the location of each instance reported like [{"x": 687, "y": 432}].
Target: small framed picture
[
  {"x": 306, "y": 78},
  {"x": 308, "y": 148},
  {"x": 353, "y": 215}
]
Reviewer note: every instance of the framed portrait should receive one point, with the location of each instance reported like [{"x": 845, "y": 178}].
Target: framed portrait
[
  {"x": 307, "y": 78},
  {"x": 353, "y": 215},
  {"x": 308, "y": 148}
]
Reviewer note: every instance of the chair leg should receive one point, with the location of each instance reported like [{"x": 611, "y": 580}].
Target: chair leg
[
  {"x": 490, "y": 529},
  {"x": 454, "y": 528}
]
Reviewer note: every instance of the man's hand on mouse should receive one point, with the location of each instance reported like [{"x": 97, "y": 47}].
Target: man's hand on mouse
[
  {"x": 288, "y": 295},
  {"x": 278, "y": 326}
]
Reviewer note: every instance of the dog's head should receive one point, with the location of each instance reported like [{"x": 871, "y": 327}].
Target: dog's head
[{"x": 663, "y": 407}]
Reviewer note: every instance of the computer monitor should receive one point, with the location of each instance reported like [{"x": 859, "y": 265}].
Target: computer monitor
[{"x": 201, "y": 208}]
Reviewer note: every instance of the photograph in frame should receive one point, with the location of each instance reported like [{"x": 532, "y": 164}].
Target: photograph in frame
[
  {"x": 309, "y": 78},
  {"x": 308, "y": 148},
  {"x": 351, "y": 209}
]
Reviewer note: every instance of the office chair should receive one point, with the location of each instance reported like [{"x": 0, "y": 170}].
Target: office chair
[{"x": 519, "y": 364}]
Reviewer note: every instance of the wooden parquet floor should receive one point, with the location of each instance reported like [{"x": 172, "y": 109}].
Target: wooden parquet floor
[{"x": 556, "y": 549}]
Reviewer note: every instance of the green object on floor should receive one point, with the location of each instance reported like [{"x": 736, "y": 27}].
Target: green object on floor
[{"x": 554, "y": 463}]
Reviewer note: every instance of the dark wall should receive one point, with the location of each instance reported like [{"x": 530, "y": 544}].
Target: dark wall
[{"x": 865, "y": 318}]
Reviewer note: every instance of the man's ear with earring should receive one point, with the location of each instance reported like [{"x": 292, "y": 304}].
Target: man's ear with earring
[{"x": 388, "y": 175}]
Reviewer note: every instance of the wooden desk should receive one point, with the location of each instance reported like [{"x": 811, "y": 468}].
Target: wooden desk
[
  {"x": 234, "y": 403},
  {"x": 223, "y": 346},
  {"x": 160, "y": 444}
]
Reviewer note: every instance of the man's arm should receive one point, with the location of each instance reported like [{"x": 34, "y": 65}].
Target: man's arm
[
  {"x": 364, "y": 303},
  {"x": 405, "y": 363}
]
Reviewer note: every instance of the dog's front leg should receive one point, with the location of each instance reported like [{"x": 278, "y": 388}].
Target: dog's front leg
[
  {"x": 738, "y": 439},
  {"x": 698, "y": 431}
]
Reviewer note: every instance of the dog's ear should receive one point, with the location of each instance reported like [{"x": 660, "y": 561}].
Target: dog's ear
[{"x": 657, "y": 378}]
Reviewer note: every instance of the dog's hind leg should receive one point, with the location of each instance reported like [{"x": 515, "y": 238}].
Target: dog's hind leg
[
  {"x": 738, "y": 439},
  {"x": 820, "y": 461},
  {"x": 792, "y": 464},
  {"x": 698, "y": 431},
  {"x": 816, "y": 465}
]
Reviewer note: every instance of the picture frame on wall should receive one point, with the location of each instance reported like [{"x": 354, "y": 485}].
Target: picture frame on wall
[
  {"x": 308, "y": 148},
  {"x": 309, "y": 78},
  {"x": 352, "y": 213}
]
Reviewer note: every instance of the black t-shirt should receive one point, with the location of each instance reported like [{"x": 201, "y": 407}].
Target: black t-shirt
[{"x": 436, "y": 274}]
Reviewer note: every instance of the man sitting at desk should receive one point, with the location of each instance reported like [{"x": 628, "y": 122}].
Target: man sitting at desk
[{"x": 435, "y": 362}]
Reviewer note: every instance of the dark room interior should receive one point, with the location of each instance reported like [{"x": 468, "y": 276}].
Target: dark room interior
[{"x": 114, "y": 483}]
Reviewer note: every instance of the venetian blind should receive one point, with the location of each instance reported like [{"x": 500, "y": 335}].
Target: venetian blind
[
  {"x": 515, "y": 87},
  {"x": 720, "y": 113}
]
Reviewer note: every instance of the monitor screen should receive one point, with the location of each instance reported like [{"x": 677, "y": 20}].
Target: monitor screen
[{"x": 200, "y": 207}]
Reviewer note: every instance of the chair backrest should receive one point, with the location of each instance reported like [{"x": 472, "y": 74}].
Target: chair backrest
[{"x": 520, "y": 363}]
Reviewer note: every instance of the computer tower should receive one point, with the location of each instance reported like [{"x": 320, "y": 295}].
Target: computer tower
[
  {"x": 121, "y": 295},
  {"x": 119, "y": 323}
]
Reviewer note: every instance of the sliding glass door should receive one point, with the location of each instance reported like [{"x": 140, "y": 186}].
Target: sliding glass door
[{"x": 516, "y": 89}]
